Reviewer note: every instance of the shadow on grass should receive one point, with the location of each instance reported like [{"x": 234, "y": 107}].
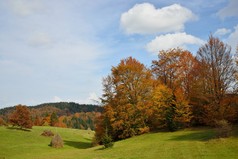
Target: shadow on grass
[
  {"x": 102, "y": 148},
  {"x": 78, "y": 145},
  {"x": 88, "y": 139},
  {"x": 235, "y": 131},
  {"x": 17, "y": 128},
  {"x": 195, "y": 136}
]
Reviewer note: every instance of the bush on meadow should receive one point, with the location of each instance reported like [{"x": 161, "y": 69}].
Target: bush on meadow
[{"x": 57, "y": 141}]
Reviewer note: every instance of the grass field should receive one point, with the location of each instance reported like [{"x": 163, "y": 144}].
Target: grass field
[{"x": 185, "y": 144}]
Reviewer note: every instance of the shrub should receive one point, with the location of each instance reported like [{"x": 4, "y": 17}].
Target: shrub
[
  {"x": 57, "y": 141},
  {"x": 144, "y": 130},
  {"x": 107, "y": 141},
  {"x": 47, "y": 133},
  {"x": 223, "y": 129}
]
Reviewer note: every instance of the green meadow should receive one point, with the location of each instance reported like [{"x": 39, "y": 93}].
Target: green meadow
[{"x": 183, "y": 144}]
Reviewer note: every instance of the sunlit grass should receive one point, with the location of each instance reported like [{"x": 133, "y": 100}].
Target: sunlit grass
[{"x": 189, "y": 143}]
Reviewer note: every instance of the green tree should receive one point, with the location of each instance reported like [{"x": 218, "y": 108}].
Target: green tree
[{"x": 53, "y": 119}]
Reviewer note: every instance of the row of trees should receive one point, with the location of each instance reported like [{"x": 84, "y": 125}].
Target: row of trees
[
  {"x": 23, "y": 117},
  {"x": 178, "y": 90}
]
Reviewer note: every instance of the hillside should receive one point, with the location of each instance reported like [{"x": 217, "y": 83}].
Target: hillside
[
  {"x": 70, "y": 107},
  {"x": 71, "y": 115},
  {"x": 190, "y": 143}
]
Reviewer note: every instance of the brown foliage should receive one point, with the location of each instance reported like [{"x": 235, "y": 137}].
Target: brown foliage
[
  {"x": 126, "y": 97},
  {"x": 215, "y": 58},
  {"x": 37, "y": 121},
  {"x": 99, "y": 130},
  {"x": 2, "y": 122},
  {"x": 169, "y": 109},
  {"x": 182, "y": 90},
  {"x": 175, "y": 69},
  {"x": 227, "y": 110},
  {"x": 217, "y": 75},
  {"x": 21, "y": 117},
  {"x": 46, "y": 121}
]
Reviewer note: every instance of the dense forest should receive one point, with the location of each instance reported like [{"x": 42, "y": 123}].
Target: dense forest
[
  {"x": 179, "y": 90},
  {"x": 63, "y": 114}
]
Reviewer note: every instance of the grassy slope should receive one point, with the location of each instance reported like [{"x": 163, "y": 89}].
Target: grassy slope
[{"x": 180, "y": 145}]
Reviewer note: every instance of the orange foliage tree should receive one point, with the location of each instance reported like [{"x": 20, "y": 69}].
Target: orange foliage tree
[
  {"x": 175, "y": 69},
  {"x": 170, "y": 109},
  {"x": 178, "y": 70},
  {"x": 2, "y": 122},
  {"x": 37, "y": 121},
  {"x": 21, "y": 117},
  {"x": 178, "y": 91},
  {"x": 166, "y": 67},
  {"x": 126, "y": 97}
]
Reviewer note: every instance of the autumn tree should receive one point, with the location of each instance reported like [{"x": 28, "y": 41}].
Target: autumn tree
[
  {"x": 126, "y": 96},
  {"x": 217, "y": 74},
  {"x": 46, "y": 120},
  {"x": 170, "y": 109},
  {"x": 178, "y": 69},
  {"x": 21, "y": 117},
  {"x": 2, "y": 122},
  {"x": 37, "y": 121},
  {"x": 175, "y": 69},
  {"x": 166, "y": 67}
]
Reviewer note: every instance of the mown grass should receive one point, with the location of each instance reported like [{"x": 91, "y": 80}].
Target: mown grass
[{"x": 184, "y": 144}]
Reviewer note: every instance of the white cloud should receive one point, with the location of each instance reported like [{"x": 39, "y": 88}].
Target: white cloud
[
  {"x": 146, "y": 19},
  {"x": 230, "y": 10},
  {"x": 93, "y": 98},
  {"x": 165, "y": 42},
  {"x": 57, "y": 99},
  {"x": 222, "y": 31},
  {"x": 232, "y": 39}
]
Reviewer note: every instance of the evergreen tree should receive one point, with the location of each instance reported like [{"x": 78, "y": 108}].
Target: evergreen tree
[{"x": 53, "y": 119}]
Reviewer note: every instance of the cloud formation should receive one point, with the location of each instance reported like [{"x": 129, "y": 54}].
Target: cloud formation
[
  {"x": 55, "y": 53},
  {"x": 222, "y": 31},
  {"x": 230, "y": 10},
  {"x": 146, "y": 19},
  {"x": 165, "y": 42},
  {"x": 232, "y": 39}
]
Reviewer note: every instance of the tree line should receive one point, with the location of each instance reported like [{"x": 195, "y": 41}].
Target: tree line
[
  {"x": 63, "y": 114},
  {"x": 179, "y": 90}
]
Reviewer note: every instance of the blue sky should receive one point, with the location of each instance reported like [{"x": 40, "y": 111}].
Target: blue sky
[{"x": 60, "y": 50}]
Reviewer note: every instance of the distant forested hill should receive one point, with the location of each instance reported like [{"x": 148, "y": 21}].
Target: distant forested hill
[
  {"x": 62, "y": 114},
  {"x": 70, "y": 107}
]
